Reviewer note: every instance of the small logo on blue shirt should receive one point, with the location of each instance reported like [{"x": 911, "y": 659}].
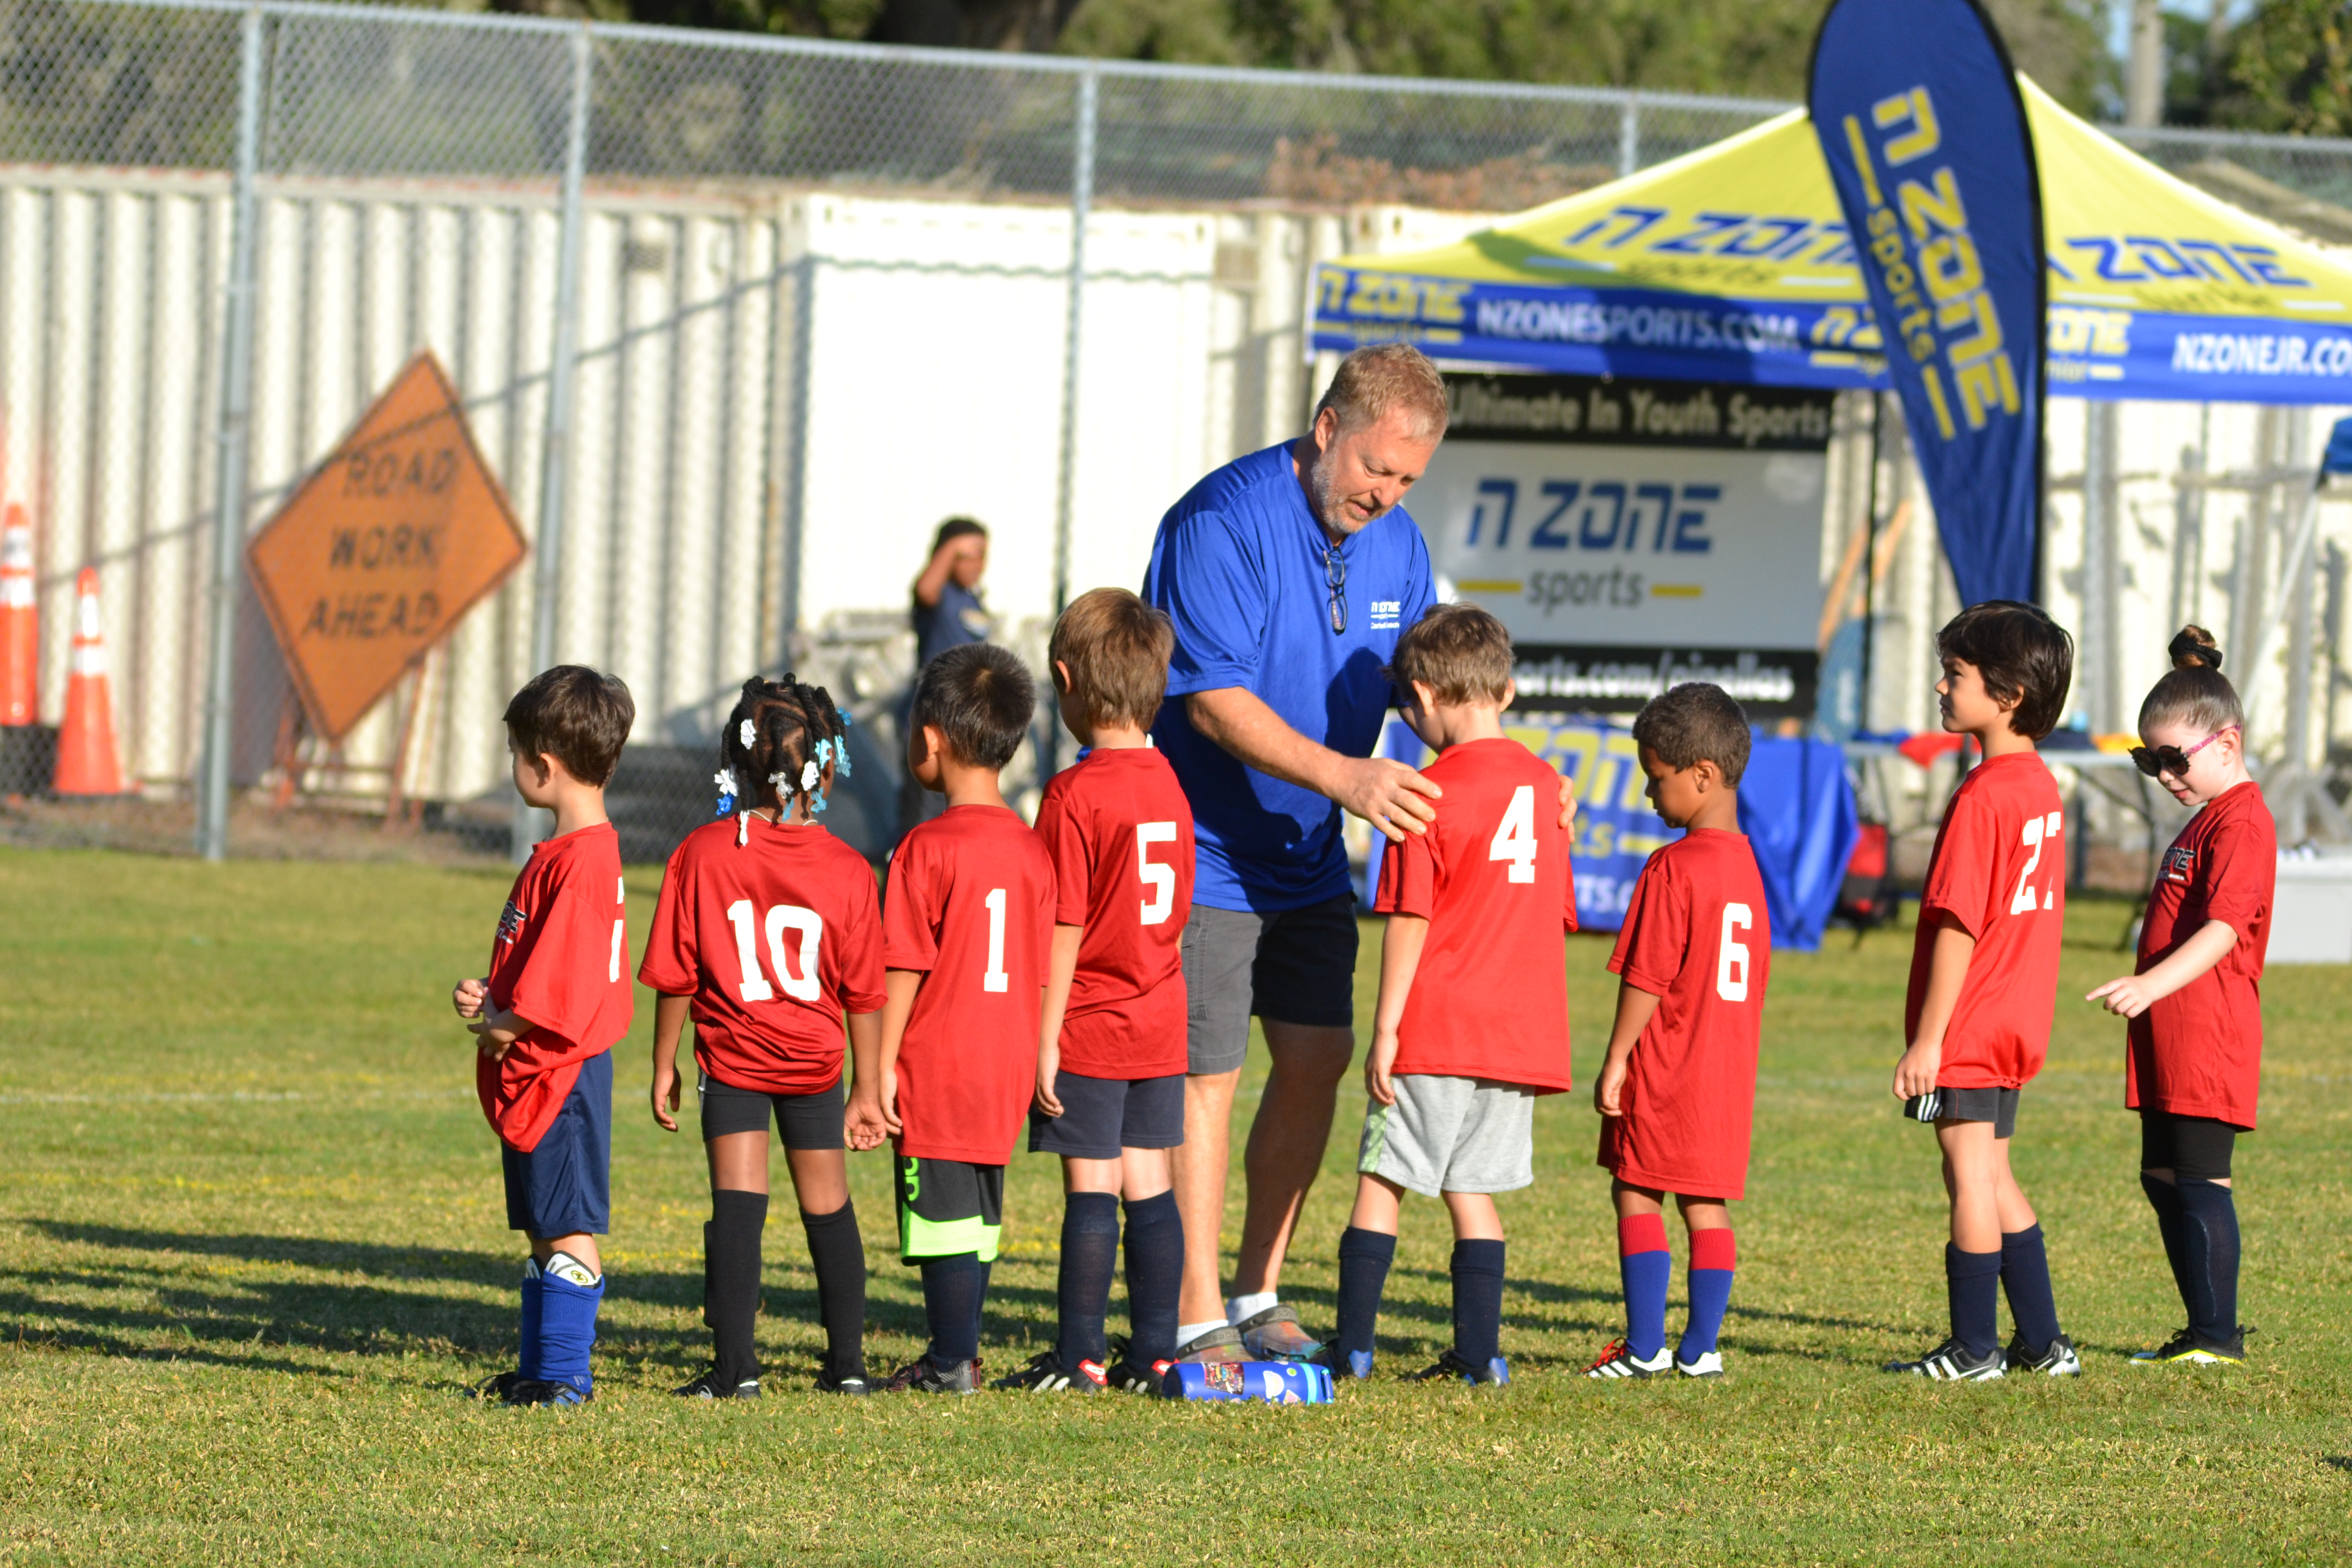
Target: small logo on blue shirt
[{"x": 1386, "y": 613}]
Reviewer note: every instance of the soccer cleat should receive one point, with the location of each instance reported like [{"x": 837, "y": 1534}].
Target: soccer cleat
[
  {"x": 1950, "y": 1362},
  {"x": 1220, "y": 1343},
  {"x": 854, "y": 1384},
  {"x": 2057, "y": 1358},
  {"x": 1045, "y": 1375},
  {"x": 1708, "y": 1364},
  {"x": 2185, "y": 1349},
  {"x": 1274, "y": 1335},
  {"x": 494, "y": 1388},
  {"x": 1496, "y": 1374},
  {"x": 710, "y": 1387},
  {"x": 1132, "y": 1376},
  {"x": 529, "y": 1391},
  {"x": 920, "y": 1377},
  {"x": 1357, "y": 1364},
  {"x": 1619, "y": 1361}
]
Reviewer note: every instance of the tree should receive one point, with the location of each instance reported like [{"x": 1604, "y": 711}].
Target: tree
[{"x": 2290, "y": 69}]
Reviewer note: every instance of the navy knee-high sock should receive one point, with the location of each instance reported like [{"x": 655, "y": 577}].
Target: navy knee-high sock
[
  {"x": 1477, "y": 1270},
  {"x": 2025, "y": 1279},
  {"x": 953, "y": 1289},
  {"x": 2165, "y": 1199},
  {"x": 569, "y": 1296},
  {"x": 2209, "y": 1234},
  {"x": 1155, "y": 1275},
  {"x": 838, "y": 1253},
  {"x": 1364, "y": 1259},
  {"x": 1972, "y": 1287},
  {"x": 533, "y": 1294},
  {"x": 1089, "y": 1258}
]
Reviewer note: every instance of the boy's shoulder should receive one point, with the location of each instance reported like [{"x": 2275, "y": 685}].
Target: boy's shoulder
[
  {"x": 968, "y": 829},
  {"x": 1116, "y": 782},
  {"x": 1497, "y": 758},
  {"x": 582, "y": 853}
]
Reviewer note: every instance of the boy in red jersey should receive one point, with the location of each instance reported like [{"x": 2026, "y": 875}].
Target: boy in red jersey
[
  {"x": 769, "y": 932},
  {"x": 1984, "y": 983},
  {"x": 966, "y": 928},
  {"x": 547, "y": 1016},
  {"x": 1111, "y": 1048},
  {"x": 1472, "y": 1022},
  {"x": 1678, "y": 1090}
]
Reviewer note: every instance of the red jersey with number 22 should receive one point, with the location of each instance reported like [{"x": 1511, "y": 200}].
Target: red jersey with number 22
[
  {"x": 1999, "y": 870},
  {"x": 559, "y": 960},
  {"x": 1696, "y": 936},
  {"x": 1491, "y": 876},
  {"x": 2199, "y": 1052},
  {"x": 970, "y": 904}
]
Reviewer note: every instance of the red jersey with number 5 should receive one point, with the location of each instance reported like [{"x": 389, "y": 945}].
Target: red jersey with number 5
[
  {"x": 970, "y": 904},
  {"x": 1999, "y": 870},
  {"x": 2199, "y": 1052},
  {"x": 1696, "y": 936},
  {"x": 559, "y": 962},
  {"x": 774, "y": 937},
  {"x": 1491, "y": 876},
  {"x": 1121, "y": 835}
]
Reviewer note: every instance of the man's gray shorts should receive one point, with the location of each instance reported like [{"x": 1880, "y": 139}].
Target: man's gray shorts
[
  {"x": 1451, "y": 1135},
  {"x": 1298, "y": 966}
]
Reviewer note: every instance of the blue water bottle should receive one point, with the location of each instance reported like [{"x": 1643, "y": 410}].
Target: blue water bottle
[{"x": 1271, "y": 1382}]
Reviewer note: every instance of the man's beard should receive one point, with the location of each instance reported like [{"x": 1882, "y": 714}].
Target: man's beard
[{"x": 1331, "y": 509}]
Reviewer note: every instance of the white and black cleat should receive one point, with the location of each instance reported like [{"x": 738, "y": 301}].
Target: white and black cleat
[
  {"x": 2057, "y": 1358},
  {"x": 1951, "y": 1363},
  {"x": 1706, "y": 1363}
]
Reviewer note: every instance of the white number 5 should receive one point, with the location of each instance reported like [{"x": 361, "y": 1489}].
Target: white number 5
[
  {"x": 1160, "y": 879},
  {"x": 1515, "y": 837},
  {"x": 1731, "y": 955}
]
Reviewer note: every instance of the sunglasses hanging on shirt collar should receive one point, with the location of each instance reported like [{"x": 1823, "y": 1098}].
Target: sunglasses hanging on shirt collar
[{"x": 1335, "y": 577}]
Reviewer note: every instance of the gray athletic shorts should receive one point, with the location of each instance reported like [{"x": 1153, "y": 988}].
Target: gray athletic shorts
[
  {"x": 1297, "y": 967},
  {"x": 1451, "y": 1135}
]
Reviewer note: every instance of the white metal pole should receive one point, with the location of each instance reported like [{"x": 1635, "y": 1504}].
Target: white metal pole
[{"x": 1082, "y": 201}]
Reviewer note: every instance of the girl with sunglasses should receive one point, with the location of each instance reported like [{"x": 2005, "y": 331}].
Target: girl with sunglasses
[{"x": 2195, "y": 1003}]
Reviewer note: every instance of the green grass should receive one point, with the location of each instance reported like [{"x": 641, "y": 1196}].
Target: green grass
[{"x": 252, "y": 1247}]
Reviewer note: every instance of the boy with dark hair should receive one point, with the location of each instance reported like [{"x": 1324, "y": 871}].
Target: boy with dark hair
[
  {"x": 965, "y": 930},
  {"x": 556, "y": 999},
  {"x": 1472, "y": 1022},
  {"x": 1111, "y": 1048},
  {"x": 1677, "y": 1089},
  {"x": 1984, "y": 983}
]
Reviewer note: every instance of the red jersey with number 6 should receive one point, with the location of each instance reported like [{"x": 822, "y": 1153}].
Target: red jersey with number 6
[
  {"x": 774, "y": 937},
  {"x": 1491, "y": 876},
  {"x": 558, "y": 961},
  {"x": 1999, "y": 870},
  {"x": 1121, "y": 835},
  {"x": 1696, "y": 936},
  {"x": 970, "y": 904}
]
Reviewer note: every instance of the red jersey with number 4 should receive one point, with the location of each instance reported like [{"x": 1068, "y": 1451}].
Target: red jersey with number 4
[
  {"x": 558, "y": 959},
  {"x": 1696, "y": 937},
  {"x": 1999, "y": 870},
  {"x": 2199, "y": 1052},
  {"x": 1491, "y": 876},
  {"x": 774, "y": 937},
  {"x": 970, "y": 904},
  {"x": 1121, "y": 835}
]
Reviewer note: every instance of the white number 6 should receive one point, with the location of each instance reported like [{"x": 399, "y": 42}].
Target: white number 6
[{"x": 1731, "y": 955}]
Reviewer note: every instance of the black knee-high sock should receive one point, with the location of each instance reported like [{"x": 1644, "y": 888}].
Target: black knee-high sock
[
  {"x": 1972, "y": 1287},
  {"x": 1155, "y": 1274},
  {"x": 1089, "y": 1258},
  {"x": 952, "y": 1291},
  {"x": 839, "y": 1254},
  {"x": 731, "y": 1281},
  {"x": 2209, "y": 1234},
  {"x": 1364, "y": 1259},
  {"x": 2165, "y": 1199},
  {"x": 2025, "y": 1277},
  {"x": 1477, "y": 1300}
]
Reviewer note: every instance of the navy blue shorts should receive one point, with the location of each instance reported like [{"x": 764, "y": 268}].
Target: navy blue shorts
[
  {"x": 564, "y": 1186},
  {"x": 1100, "y": 1116}
]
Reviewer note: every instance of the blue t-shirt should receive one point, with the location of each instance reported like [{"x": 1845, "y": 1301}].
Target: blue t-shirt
[
  {"x": 1238, "y": 564},
  {"x": 958, "y": 618}
]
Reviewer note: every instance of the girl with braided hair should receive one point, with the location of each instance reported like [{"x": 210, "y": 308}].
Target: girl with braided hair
[{"x": 770, "y": 936}]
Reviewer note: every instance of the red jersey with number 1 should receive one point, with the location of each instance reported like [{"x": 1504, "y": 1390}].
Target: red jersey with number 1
[
  {"x": 1697, "y": 937},
  {"x": 1491, "y": 876},
  {"x": 559, "y": 960},
  {"x": 2199, "y": 1052},
  {"x": 1999, "y": 870},
  {"x": 970, "y": 904},
  {"x": 1121, "y": 835},
  {"x": 774, "y": 937}
]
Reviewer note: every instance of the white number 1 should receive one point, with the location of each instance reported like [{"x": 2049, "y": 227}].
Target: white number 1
[
  {"x": 754, "y": 986},
  {"x": 995, "y": 979},
  {"x": 1514, "y": 840},
  {"x": 1731, "y": 955}
]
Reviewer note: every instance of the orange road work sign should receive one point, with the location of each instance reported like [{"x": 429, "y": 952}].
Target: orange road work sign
[{"x": 384, "y": 548}]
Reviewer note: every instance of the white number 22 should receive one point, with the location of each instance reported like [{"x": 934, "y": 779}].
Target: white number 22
[
  {"x": 803, "y": 986},
  {"x": 1731, "y": 954},
  {"x": 1160, "y": 879},
  {"x": 2039, "y": 834},
  {"x": 1515, "y": 839}
]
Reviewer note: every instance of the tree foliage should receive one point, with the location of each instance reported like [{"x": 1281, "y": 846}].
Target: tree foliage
[{"x": 2289, "y": 67}]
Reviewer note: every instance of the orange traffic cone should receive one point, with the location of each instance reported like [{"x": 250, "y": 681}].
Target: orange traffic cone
[
  {"x": 20, "y": 622},
  {"x": 86, "y": 760}
]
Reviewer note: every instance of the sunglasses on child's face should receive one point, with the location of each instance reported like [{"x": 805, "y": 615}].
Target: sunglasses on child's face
[{"x": 2155, "y": 760}]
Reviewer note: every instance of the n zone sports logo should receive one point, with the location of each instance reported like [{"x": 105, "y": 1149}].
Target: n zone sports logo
[
  {"x": 2180, "y": 863},
  {"x": 511, "y": 923}
]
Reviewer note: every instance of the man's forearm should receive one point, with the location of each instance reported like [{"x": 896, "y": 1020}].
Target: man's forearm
[{"x": 1241, "y": 724}]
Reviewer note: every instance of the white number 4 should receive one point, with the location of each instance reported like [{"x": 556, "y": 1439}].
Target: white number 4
[
  {"x": 803, "y": 986},
  {"x": 1160, "y": 879},
  {"x": 1515, "y": 839},
  {"x": 2039, "y": 834},
  {"x": 1731, "y": 954}
]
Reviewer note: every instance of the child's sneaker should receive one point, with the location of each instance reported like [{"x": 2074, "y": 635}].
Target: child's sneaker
[
  {"x": 2057, "y": 1358},
  {"x": 854, "y": 1384},
  {"x": 1709, "y": 1364},
  {"x": 526, "y": 1391},
  {"x": 495, "y": 1389},
  {"x": 1274, "y": 1335},
  {"x": 920, "y": 1377},
  {"x": 2185, "y": 1349},
  {"x": 1357, "y": 1364},
  {"x": 1619, "y": 1361},
  {"x": 1045, "y": 1375},
  {"x": 710, "y": 1387},
  {"x": 1496, "y": 1374},
  {"x": 1132, "y": 1376},
  {"x": 1950, "y": 1362}
]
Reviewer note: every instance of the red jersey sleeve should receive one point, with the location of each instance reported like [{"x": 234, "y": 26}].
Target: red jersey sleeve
[
  {"x": 1959, "y": 883},
  {"x": 911, "y": 915},
  {"x": 1654, "y": 941},
  {"x": 1409, "y": 879},
  {"x": 859, "y": 953},
  {"x": 576, "y": 957},
  {"x": 1067, "y": 847},
  {"x": 670, "y": 965},
  {"x": 1568, "y": 887},
  {"x": 2240, "y": 876}
]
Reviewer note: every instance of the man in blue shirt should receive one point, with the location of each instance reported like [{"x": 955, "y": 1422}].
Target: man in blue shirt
[{"x": 1289, "y": 575}]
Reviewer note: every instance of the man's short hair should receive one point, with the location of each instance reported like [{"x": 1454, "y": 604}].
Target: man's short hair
[
  {"x": 1117, "y": 649},
  {"x": 2022, "y": 655},
  {"x": 980, "y": 698},
  {"x": 1694, "y": 723},
  {"x": 956, "y": 528},
  {"x": 1461, "y": 652},
  {"x": 1376, "y": 382},
  {"x": 575, "y": 715}
]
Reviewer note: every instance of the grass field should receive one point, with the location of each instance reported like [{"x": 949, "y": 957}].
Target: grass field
[{"x": 252, "y": 1247}]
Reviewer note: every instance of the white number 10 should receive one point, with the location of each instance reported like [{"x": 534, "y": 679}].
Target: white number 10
[
  {"x": 754, "y": 988},
  {"x": 1515, "y": 839},
  {"x": 1731, "y": 955}
]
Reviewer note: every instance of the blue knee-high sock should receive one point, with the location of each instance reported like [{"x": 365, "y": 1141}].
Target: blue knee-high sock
[
  {"x": 1972, "y": 1287},
  {"x": 2025, "y": 1278},
  {"x": 1364, "y": 1259},
  {"x": 952, "y": 1291},
  {"x": 1477, "y": 1270},
  {"x": 1155, "y": 1274},
  {"x": 1645, "y": 1267},
  {"x": 567, "y": 1324},
  {"x": 1089, "y": 1258},
  {"x": 2209, "y": 1234},
  {"x": 1713, "y": 1258},
  {"x": 527, "y": 1353},
  {"x": 2165, "y": 1199}
]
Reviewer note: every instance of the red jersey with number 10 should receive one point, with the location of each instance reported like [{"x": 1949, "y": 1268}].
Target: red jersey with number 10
[
  {"x": 1999, "y": 870},
  {"x": 970, "y": 904},
  {"x": 1491, "y": 876}
]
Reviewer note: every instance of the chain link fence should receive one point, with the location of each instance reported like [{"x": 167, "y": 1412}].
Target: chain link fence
[{"x": 731, "y": 320}]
